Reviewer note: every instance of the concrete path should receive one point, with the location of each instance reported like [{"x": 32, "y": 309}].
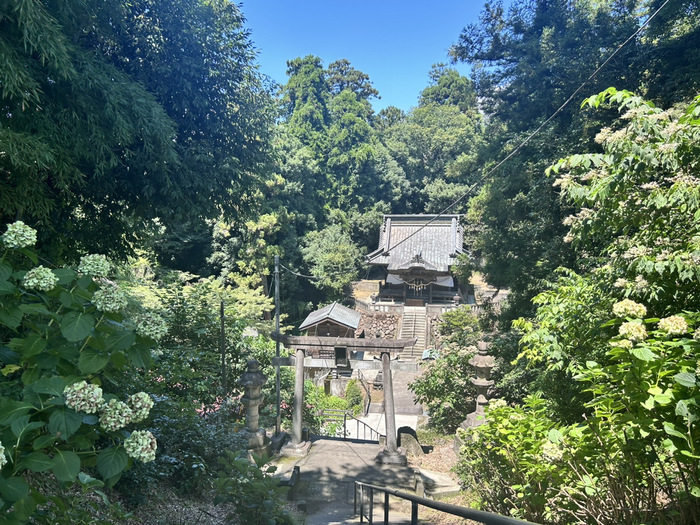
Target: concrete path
[{"x": 328, "y": 473}]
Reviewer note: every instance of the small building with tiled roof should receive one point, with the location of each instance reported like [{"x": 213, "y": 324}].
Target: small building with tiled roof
[
  {"x": 333, "y": 320},
  {"x": 417, "y": 253}
]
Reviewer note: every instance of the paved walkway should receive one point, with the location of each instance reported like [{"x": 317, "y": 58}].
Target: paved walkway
[{"x": 328, "y": 473}]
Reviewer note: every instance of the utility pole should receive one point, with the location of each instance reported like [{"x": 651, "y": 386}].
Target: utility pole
[
  {"x": 278, "y": 424},
  {"x": 222, "y": 343}
]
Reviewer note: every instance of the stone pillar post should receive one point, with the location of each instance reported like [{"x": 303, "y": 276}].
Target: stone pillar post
[
  {"x": 391, "y": 453},
  {"x": 389, "y": 409},
  {"x": 296, "y": 447},
  {"x": 252, "y": 382},
  {"x": 483, "y": 364},
  {"x": 298, "y": 413}
]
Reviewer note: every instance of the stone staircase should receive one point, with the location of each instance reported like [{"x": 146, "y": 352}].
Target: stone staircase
[{"x": 414, "y": 325}]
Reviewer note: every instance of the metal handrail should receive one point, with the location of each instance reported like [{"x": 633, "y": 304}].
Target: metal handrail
[
  {"x": 487, "y": 518},
  {"x": 335, "y": 415}
]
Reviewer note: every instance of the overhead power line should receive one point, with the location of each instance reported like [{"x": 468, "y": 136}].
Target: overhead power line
[{"x": 534, "y": 133}]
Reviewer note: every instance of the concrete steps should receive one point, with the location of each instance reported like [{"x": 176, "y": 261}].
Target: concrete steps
[{"x": 413, "y": 325}]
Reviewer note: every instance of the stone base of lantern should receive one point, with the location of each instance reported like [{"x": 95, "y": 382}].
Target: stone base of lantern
[
  {"x": 385, "y": 457},
  {"x": 473, "y": 420},
  {"x": 298, "y": 450},
  {"x": 259, "y": 443}
]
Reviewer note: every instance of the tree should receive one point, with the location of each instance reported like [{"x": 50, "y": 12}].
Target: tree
[
  {"x": 305, "y": 100},
  {"x": 342, "y": 76},
  {"x": 122, "y": 113},
  {"x": 332, "y": 258},
  {"x": 448, "y": 87},
  {"x": 435, "y": 142},
  {"x": 526, "y": 62}
]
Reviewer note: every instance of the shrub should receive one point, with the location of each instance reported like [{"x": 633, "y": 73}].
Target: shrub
[{"x": 61, "y": 357}]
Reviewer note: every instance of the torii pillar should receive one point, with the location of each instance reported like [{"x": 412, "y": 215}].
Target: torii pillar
[{"x": 391, "y": 454}]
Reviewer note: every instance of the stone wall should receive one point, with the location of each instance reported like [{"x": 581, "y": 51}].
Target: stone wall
[{"x": 378, "y": 325}]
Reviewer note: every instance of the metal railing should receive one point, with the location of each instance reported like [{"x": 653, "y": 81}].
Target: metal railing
[
  {"x": 367, "y": 511},
  {"x": 337, "y": 415}
]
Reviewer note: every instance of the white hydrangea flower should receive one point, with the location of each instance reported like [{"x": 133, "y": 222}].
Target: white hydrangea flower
[
  {"x": 673, "y": 325},
  {"x": 497, "y": 403},
  {"x": 109, "y": 299},
  {"x": 19, "y": 235},
  {"x": 40, "y": 278},
  {"x": 551, "y": 452},
  {"x": 623, "y": 343},
  {"x": 620, "y": 283},
  {"x": 140, "y": 404},
  {"x": 151, "y": 325},
  {"x": 95, "y": 265},
  {"x": 628, "y": 308},
  {"x": 635, "y": 332},
  {"x": 115, "y": 415},
  {"x": 141, "y": 445},
  {"x": 83, "y": 397},
  {"x": 3, "y": 457}
]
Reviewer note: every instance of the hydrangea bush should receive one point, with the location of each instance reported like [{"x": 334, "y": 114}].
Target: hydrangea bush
[{"x": 64, "y": 331}]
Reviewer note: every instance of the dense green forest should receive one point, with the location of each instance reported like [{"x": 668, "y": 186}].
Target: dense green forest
[{"x": 144, "y": 132}]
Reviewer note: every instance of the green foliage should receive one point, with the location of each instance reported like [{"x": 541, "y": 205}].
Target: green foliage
[
  {"x": 355, "y": 397},
  {"x": 513, "y": 464},
  {"x": 632, "y": 457},
  {"x": 444, "y": 387},
  {"x": 54, "y": 337},
  {"x": 253, "y": 489},
  {"x": 315, "y": 402},
  {"x": 115, "y": 114},
  {"x": 333, "y": 258}
]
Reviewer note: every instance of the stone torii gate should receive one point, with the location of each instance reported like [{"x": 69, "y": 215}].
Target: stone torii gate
[{"x": 386, "y": 348}]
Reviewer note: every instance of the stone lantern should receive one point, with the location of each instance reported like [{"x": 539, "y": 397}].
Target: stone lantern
[
  {"x": 483, "y": 364},
  {"x": 252, "y": 382}
]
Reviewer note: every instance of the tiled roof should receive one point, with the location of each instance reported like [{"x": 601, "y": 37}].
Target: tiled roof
[
  {"x": 335, "y": 312},
  {"x": 413, "y": 241}
]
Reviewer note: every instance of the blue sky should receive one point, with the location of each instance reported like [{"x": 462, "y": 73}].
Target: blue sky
[{"x": 395, "y": 42}]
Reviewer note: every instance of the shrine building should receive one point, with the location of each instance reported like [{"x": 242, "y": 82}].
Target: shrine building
[{"x": 416, "y": 254}]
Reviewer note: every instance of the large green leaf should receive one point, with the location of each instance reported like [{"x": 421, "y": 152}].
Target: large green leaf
[
  {"x": 121, "y": 340},
  {"x": 66, "y": 465},
  {"x": 92, "y": 360},
  {"x": 52, "y": 386},
  {"x": 686, "y": 379},
  {"x": 7, "y": 288},
  {"x": 140, "y": 356},
  {"x": 13, "y": 489},
  {"x": 642, "y": 353},
  {"x": 10, "y": 317},
  {"x": 64, "y": 422},
  {"x": 44, "y": 441},
  {"x": 5, "y": 271},
  {"x": 65, "y": 275},
  {"x": 36, "y": 462},
  {"x": 111, "y": 462},
  {"x": 36, "y": 309},
  {"x": 76, "y": 326},
  {"x": 28, "y": 346},
  {"x": 22, "y": 425},
  {"x": 11, "y": 410}
]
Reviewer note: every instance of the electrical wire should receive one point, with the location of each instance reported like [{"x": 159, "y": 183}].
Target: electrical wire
[
  {"x": 310, "y": 277},
  {"x": 531, "y": 136}
]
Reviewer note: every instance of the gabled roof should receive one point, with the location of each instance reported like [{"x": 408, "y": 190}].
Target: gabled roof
[
  {"x": 427, "y": 242},
  {"x": 333, "y": 312}
]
